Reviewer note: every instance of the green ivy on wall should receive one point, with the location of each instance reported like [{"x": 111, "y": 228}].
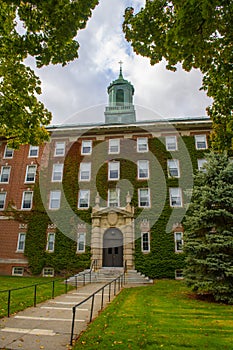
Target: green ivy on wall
[{"x": 161, "y": 261}]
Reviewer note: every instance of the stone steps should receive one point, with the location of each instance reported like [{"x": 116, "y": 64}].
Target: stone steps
[{"x": 108, "y": 274}]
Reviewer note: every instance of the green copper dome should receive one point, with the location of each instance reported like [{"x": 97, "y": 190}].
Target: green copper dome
[{"x": 120, "y": 108}]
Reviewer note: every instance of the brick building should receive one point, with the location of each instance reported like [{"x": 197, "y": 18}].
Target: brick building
[{"x": 114, "y": 192}]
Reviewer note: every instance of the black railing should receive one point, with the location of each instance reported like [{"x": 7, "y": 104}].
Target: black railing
[
  {"x": 118, "y": 280},
  {"x": 34, "y": 286},
  {"x": 83, "y": 275}
]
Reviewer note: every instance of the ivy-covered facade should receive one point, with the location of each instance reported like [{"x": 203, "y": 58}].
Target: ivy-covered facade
[{"x": 114, "y": 193}]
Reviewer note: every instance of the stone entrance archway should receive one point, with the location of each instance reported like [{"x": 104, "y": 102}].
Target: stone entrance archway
[
  {"x": 106, "y": 250},
  {"x": 113, "y": 248}
]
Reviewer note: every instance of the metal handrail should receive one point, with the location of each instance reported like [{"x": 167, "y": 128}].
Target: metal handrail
[
  {"x": 93, "y": 265},
  {"x": 125, "y": 266},
  {"x": 120, "y": 279},
  {"x": 9, "y": 291},
  {"x": 92, "y": 268}
]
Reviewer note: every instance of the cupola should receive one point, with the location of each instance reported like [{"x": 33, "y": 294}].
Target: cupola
[{"x": 120, "y": 109}]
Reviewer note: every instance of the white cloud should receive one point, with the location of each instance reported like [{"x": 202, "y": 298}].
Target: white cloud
[{"x": 83, "y": 83}]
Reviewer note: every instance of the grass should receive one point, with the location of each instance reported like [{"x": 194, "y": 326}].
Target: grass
[
  {"x": 161, "y": 316},
  {"x": 23, "y": 298}
]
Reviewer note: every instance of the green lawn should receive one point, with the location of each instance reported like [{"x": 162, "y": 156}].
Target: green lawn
[
  {"x": 161, "y": 316},
  {"x": 23, "y": 298}
]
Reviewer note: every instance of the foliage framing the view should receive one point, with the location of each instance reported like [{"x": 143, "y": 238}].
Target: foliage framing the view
[
  {"x": 44, "y": 30},
  {"x": 209, "y": 230},
  {"x": 197, "y": 34}
]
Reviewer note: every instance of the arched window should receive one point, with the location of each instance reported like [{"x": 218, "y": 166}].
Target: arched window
[{"x": 120, "y": 96}]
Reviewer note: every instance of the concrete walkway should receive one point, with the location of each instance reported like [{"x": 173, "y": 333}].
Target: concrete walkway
[{"x": 48, "y": 326}]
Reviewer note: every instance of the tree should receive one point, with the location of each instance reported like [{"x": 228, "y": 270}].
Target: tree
[
  {"x": 44, "y": 30},
  {"x": 197, "y": 34},
  {"x": 209, "y": 230}
]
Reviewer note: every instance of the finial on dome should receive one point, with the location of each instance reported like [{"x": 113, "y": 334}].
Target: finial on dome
[{"x": 120, "y": 75}]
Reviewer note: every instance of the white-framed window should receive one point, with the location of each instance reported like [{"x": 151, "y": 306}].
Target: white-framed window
[
  {"x": 81, "y": 242},
  {"x": 113, "y": 170},
  {"x": 30, "y": 173},
  {"x": 171, "y": 143},
  {"x": 17, "y": 271},
  {"x": 178, "y": 237},
  {"x": 144, "y": 197},
  {"x": 27, "y": 200},
  {"x": 201, "y": 142},
  {"x": 9, "y": 152},
  {"x": 114, "y": 146},
  {"x": 33, "y": 151},
  {"x": 59, "y": 148},
  {"x": 50, "y": 242},
  {"x": 57, "y": 173},
  {"x": 2, "y": 200},
  {"x": 21, "y": 242},
  {"x": 86, "y": 147},
  {"x": 5, "y": 173},
  {"x": 175, "y": 197},
  {"x": 143, "y": 169},
  {"x": 145, "y": 242},
  {"x": 85, "y": 172},
  {"x": 114, "y": 197},
  {"x": 179, "y": 274},
  {"x": 48, "y": 272},
  {"x": 83, "y": 199},
  {"x": 55, "y": 199},
  {"x": 142, "y": 144},
  {"x": 201, "y": 164},
  {"x": 173, "y": 167}
]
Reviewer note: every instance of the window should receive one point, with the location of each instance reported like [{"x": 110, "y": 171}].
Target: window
[
  {"x": 175, "y": 197},
  {"x": 114, "y": 197},
  {"x": 145, "y": 242},
  {"x": 27, "y": 200},
  {"x": 173, "y": 168},
  {"x": 30, "y": 173},
  {"x": 200, "y": 142},
  {"x": 83, "y": 199},
  {"x": 48, "y": 272},
  {"x": 17, "y": 271},
  {"x": 144, "y": 197},
  {"x": 179, "y": 274},
  {"x": 57, "y": 172},
  {"x": 8, "y": 152},
  {"x": 201, "y": 164},
  {"x": 86, "y": 147},
  {"x": 33, "y": 151},
  {"x": 85, "y": 172},
  {"x": 55, "y": 199},
  {"x": 143, "y": 169},
  {"x": 81, "y": 242},
  {"x": 178, "y": 236},
  {"x": 21, "y": 242},
  {"x": 114, "y": 146},
  {"x": 142, "y": 144},
  {"x": 2, "y": 200},
  {"x": 59, "y": 149},
  {"x": 119, "y": 96},
  {"x": 50, "y": 242},
  {"x": 171, "y": 143},
  {"x": 113, "y": 170},
  {"x": 5, "y": 174}
]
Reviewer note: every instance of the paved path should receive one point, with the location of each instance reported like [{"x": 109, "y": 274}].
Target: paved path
[{"x": 48, "y": 325}]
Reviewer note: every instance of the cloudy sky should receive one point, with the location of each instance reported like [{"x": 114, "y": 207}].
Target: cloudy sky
[{"x": 77, "y": 92}]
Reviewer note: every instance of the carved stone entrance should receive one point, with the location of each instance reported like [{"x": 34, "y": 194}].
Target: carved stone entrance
[
  {"x": 113, "y": 248},
  {"x": 112, "y": 238}
]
